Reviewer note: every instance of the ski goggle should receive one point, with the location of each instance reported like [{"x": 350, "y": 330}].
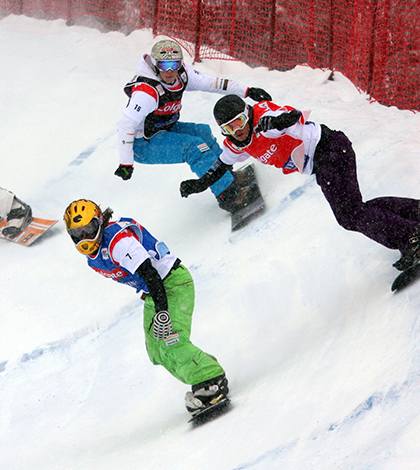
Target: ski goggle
[
  {"x": 236, "y": 124},
  {"x": 165, "y": 65},
  {"x": 87, "y": 232}
]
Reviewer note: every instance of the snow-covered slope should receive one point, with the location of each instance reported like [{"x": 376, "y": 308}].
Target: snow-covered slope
[{"x": 322, "y": 360}]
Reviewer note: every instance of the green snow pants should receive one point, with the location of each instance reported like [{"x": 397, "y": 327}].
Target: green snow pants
[{"x": 183, "y": 360}]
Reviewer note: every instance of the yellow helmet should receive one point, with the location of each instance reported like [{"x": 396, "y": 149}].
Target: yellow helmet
[{"x": 83, "y": 219}]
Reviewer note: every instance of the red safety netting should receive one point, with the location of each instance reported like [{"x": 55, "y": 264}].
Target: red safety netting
[
  {"x": 396, "y": 54},
  {"x": 375, "y": 43}
]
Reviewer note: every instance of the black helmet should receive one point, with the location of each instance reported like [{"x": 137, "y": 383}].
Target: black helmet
[{"x": 227, "y": 109}]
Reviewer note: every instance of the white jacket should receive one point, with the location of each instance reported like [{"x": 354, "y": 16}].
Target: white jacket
[{"x": 143, "y": 103}]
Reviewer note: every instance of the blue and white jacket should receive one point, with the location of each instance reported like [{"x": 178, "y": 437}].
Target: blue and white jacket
[{"x": 125, "y": 246}]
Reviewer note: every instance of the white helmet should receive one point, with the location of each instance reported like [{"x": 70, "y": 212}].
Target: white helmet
[{"x": 166, "y": 50}]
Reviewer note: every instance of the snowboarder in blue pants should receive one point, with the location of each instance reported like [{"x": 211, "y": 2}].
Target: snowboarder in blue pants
[{"x": 150, "y": 132}]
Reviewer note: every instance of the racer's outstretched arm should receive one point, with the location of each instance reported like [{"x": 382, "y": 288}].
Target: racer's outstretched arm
[{"x": 215, "y": 172}]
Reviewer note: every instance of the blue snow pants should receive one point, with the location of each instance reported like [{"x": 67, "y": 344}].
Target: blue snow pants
[{"x": 186, "y": 142}]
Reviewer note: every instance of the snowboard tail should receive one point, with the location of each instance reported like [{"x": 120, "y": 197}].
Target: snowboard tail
[
  {"x": 32, "y": 232},
  {"x": 406, "y": 278},
  {"x": 211, "y": 412},
  {"x": 256, "y": 206}
]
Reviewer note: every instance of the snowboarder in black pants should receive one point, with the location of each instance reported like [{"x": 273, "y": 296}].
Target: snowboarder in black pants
[{"x": 283, "y": 137}]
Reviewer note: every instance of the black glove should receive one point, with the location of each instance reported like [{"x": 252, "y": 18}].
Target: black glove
[
  {"x": 162, "y": 326},
  {"x": 258, "y": 94},
  {"x": 188, "y": 187},
  {"x": 278, "y": 122},
  {"x": 124, "y": 171}
]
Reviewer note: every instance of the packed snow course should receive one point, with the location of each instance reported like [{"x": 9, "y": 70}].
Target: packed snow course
[{"x": 323, "y": 360}]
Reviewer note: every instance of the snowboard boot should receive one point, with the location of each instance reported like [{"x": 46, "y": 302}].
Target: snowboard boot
[
  {"x": 239, "y": 194},
  {"x": 19, "y": 217},
  {"x": 411, "y": 256},
  {"x": 206, "y": 394}
]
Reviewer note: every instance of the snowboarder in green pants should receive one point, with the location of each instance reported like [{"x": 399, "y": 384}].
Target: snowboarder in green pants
[{"x": 127, "y": 253}]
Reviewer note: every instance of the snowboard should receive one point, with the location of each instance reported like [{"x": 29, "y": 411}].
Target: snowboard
[
  {"x": 33, "y": 231},
  {"x": 210, "y": 413},
  {"x": 247, "y": 177},
  {"x": 406, "y": 278}
]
